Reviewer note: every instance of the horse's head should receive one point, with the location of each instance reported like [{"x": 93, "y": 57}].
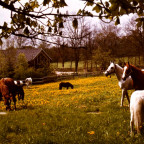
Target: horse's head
[
  {"x": 126, "y": 71},
  {"x": 110, "y": 69}
]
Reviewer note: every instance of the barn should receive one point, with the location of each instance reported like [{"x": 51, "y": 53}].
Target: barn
[{"x": 36, "y": 57}]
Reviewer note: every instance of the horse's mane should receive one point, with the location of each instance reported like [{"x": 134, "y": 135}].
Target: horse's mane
[{"x": 134, "y": 68}]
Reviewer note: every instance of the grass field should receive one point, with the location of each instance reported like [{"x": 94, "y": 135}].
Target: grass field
[{"x": 88, "y": 114}]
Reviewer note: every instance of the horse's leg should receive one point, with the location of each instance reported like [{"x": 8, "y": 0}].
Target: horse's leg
[
  {"x": 122, "y": 98},
  {"x": 7, "y": 103},
  {"x": 127, "y": 97},
  {"x": 14, "y": 100},
  {"x": 131, "y": 122}
]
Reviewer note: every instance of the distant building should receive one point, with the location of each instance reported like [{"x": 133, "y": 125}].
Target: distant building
[{"x": 36, "y": 57}]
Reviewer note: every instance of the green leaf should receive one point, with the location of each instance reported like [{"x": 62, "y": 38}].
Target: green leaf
[
  {"x": 49, "y": 29},
  {"x": 107, "y": 4},
  {"x": 139, "y": 24},
  {"x": 62, "y": 3},
  {"x": 117, "y": 21},
  {"x": 79, "y": 12},
  {"x": 1, "y": 42},
  {"x": 135, "y": 3},
  {"x": 90, "y": 3},
  {"x": 107, "y": 10},
  {"x": 45, "y": 2},
  {"x": 26, "y": 31},
  {"x": 97, "y": 8},
  {"x": 75, "y": 23},
  {"x": 61, "y": 25}
]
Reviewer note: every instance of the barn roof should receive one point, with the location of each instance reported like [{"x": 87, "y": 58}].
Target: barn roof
[{"x": 30, "y": 53}]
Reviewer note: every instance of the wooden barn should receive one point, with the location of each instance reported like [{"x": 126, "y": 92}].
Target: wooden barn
[{"x": 36, "y": 57}]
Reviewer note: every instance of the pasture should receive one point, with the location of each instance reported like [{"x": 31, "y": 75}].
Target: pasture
[{"x": 89, "y": 113}]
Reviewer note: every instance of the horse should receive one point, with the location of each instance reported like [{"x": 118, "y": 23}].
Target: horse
[
  {"x": 20, "y": 92},
  {"x": 20, "y": 82},
  {"x": 137, "y": 111},
  {"x": 28, "y": 81},
  {"x": 124, "y": 85},
  {"x": 8, "y": 91},
  {"x": 65, "y": 84},
  {"x": 136, "y": 74}
]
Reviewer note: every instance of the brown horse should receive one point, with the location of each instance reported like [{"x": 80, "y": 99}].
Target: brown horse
[
  {"x": 8, "y": 92},
  {"x": 136, "y": 74}
]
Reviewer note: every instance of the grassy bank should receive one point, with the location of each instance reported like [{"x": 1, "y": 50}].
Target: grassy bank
[{"x": 89, "y": 113}]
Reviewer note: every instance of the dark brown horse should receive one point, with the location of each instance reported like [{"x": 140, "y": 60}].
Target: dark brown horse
[
  {"x": 8, "y": 92},
  {"x": 65, "y": 84},
  {"x": 136, "y": 74}
]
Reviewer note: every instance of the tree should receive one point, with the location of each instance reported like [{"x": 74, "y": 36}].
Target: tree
[
  {"x": 101, "y": 58},
  {"x": 28, "y": 16},
  {"x": 77, "y": 36},
  {"x": 3, "y": 72},
  {"x": 21, "y": 67}
]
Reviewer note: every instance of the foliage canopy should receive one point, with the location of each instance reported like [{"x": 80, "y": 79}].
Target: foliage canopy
[{"x": 35, "y": 18}]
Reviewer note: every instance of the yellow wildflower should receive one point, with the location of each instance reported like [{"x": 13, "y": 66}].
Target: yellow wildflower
[{"x": 91, "y": 132}]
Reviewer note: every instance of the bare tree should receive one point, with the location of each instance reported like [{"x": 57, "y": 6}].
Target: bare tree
[{"x": 77, "y": 36}]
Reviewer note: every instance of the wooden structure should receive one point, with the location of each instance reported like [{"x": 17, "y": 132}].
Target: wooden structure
[{"x": 36, "y": 57}]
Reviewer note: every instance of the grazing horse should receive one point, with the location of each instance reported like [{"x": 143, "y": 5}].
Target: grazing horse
[
  {"x": 20, "y": 92},
  {"x": 19, "y": 82},
  {"x": 124, "y": 85},
  {"x": 136, "y": 74},
  {"x": 137, "y": 111},
  {"x": 8, "y": 91},
  {"x": 65, "y": 84},
  {"x": 28, "y": 81}
]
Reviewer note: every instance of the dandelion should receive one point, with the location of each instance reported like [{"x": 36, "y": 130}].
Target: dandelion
[
  {"x": 118, "y": 133},
  {"x": 44, "y": 124},
  {"x": 91, "y": 132}
]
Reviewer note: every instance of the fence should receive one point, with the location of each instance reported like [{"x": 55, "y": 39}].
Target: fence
[{"x": 55, "y": 78}]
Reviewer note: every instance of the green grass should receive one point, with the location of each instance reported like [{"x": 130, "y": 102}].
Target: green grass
[{"x": 89, "y": 113}]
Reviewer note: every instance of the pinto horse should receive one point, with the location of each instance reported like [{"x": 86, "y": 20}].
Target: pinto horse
[
  {"x": 124, "y": 85},
  {"x": 136, "y": 74},
  {"x": 8, "y": 91}
]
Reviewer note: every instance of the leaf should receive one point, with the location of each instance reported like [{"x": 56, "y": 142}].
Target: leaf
[
  {"x": 90, "y": 3},
  {"x": 62, "y": 3},
  {"x": 135, "y": 3},
  {"x": 61, "y": 25},
  {"x": 1, "y": 42},
  {"x": 139, "y": 24},
  {"x": 79, "y": 12},
  {"x": 117, "y": 21},
  {"x": 97, "y": 8},
  {"x": 75, "y": 23},
  {"x": 107, "y": 4},
  {"x": 49, "y": 29},
  {"x": 26, "y": 31},
  {"x": 60, "y": 33},
  {"x": 107, "y": 10},
  {"x": 45, "y": 2}
]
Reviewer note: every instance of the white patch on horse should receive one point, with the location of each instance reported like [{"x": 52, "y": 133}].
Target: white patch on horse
[{"x": 124, "y": 72}]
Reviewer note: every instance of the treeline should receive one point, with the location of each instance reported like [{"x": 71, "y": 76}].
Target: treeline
[
  {"x": 101, "y": 44},
  {"x": 95, "y": 44}
]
